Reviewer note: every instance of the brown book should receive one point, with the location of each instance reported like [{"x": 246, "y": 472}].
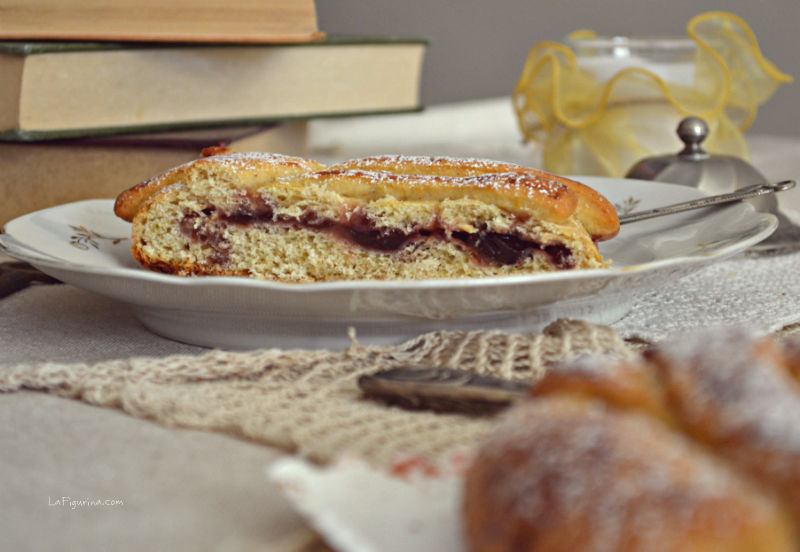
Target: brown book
[
  {"x": 82, "y": 89},
  {"x": 36, "y": 175},
  {"x": 160, "y": 20}
]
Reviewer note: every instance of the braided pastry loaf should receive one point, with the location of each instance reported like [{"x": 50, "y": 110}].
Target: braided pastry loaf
[
  {"x": 295, "y": 220},
  {"x": 696, "y": 449}
]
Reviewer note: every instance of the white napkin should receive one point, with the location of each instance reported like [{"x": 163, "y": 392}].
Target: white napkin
[{"x": 357, "y": 508}]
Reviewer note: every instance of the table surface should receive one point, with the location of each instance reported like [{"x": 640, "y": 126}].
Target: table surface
[{"x": 182, "y": 489}]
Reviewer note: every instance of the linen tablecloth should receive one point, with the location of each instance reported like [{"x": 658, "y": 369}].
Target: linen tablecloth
[{"x": 182, "y": 489}]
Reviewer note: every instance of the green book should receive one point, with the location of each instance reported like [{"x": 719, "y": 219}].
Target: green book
[{"x": 51, "y": 90}]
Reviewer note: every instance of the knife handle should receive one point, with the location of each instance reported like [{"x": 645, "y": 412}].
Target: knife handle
[{"x": 442, "y": 390}]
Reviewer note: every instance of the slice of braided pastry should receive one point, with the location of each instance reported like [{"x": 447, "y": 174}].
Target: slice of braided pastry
[
  {"x": 593, "y": 211},
  {"x": 696, "y": 449},
  {"x": 295, "y": 220}
]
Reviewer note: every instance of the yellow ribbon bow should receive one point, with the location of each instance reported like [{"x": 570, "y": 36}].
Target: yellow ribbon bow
[{"x": 596, "y": 115}]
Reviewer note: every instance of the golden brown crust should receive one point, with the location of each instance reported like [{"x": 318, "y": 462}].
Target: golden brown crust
[
  {"x": 594, "y": 211},
  {"x": 623, "y": 385},
  {"x": 251, "y": 169},
  {"x": 791, "y": 354},
  {"x": 563, "y": 474},
  {"x": 520, "y": 193},
  {"x": 131, "y": 200},
  {"x": 737, "y": 395},
  {"x": 706, "y": 426},
  {"x": 528, "y": 193}
]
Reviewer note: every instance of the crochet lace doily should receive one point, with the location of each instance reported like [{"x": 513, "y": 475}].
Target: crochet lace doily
[{"x": 308, "y": 402}]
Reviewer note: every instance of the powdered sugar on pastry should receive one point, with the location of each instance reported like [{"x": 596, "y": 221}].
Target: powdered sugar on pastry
[
  {"x": 696, "y": 447},
  {"x": 294, "y": 220},
  {"x": 560, "y": 474},
  {"x": 735, "y": 393},
  {"x": 593, "y": 210}
]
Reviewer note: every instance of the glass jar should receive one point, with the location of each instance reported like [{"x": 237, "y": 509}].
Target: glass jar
[{"x": 598, "y": 104}]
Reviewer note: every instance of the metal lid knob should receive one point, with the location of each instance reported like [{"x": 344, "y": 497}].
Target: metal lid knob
[
  {"x": 716, "y": 174},
  {"x": 693, "y": 131},
  {"x": 693, "y": 166}
]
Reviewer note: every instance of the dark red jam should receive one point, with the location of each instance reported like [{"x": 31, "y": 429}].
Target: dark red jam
[
  {"x": 487, "y": 247},
  {"x": 362, "y": 230}
]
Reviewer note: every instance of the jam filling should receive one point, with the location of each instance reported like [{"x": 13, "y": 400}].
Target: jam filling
[{"x": 487, "y": 247}]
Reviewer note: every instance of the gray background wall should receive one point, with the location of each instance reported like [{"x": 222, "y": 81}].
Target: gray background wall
[{"x": 478, "y": 47}]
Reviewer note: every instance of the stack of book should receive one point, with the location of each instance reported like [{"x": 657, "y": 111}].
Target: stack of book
[{"x": 97, "y": 96}]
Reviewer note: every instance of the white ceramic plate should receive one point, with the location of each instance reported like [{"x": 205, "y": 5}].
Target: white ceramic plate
[{"x": 84, "y": 244}]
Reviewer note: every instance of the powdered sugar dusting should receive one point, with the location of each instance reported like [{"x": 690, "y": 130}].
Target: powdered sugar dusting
[
  {"x": 239, "y": 161},
  {"x": 753, "y": 401},
  {"x": 420, "y": 162},
  {"x": 623, "y": 476},
  {"x": 242, "y": 159},
  {"x": 526, "y": 185},
  {"x": 609, "y": 365},
  {"x": 469, "y": 172}
]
